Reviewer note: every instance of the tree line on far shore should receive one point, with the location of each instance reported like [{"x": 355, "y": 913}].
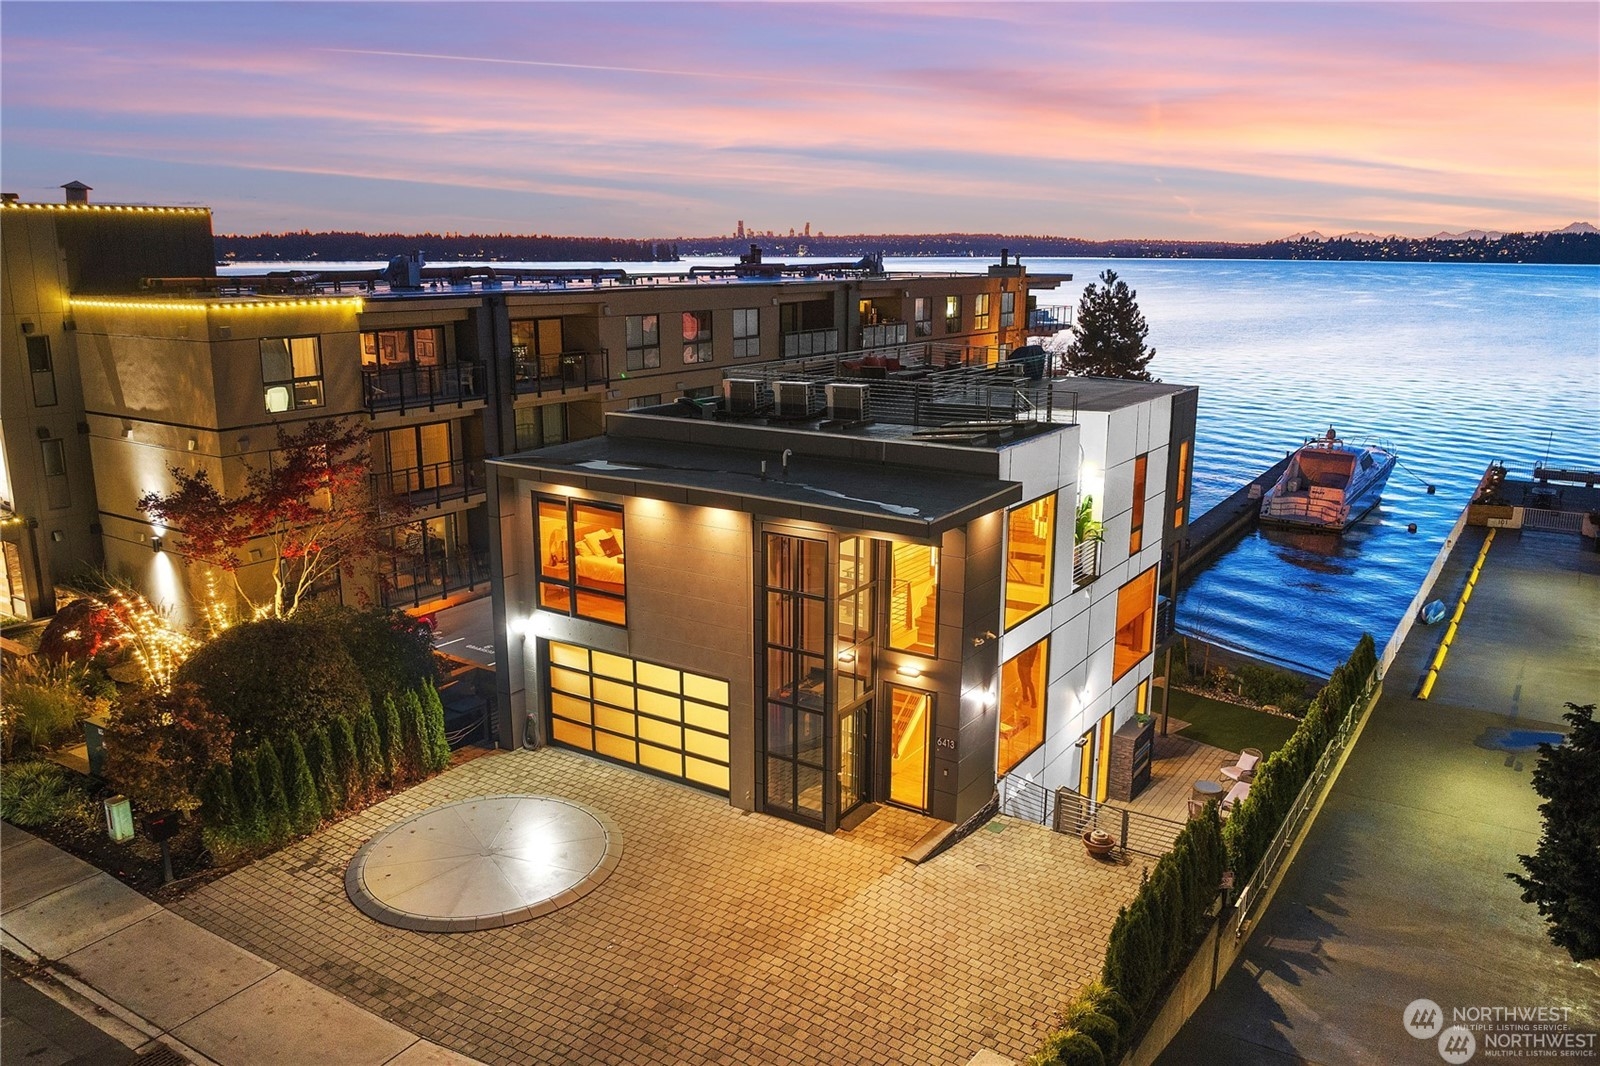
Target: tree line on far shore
[{"x": 456, "y": 247}]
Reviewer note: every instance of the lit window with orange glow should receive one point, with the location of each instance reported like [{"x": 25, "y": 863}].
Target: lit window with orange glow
[
  {"x": 1136, "y": 616},
  {"x": 1182, "y": 491},
  {"x": 1023, "y": 699},
  {"x": 581, "y": 560},
  {"x": 1136, "y": 533},
  {"x": 1030, "y": 548}
]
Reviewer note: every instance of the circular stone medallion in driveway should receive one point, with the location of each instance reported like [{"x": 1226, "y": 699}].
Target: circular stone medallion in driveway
[{"x": 483, "y": 863}]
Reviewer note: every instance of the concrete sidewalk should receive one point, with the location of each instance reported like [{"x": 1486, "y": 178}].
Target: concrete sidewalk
[{"x": 148, "y": 977}]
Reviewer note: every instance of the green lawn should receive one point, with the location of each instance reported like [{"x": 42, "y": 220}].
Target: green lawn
[{"x": 1229, "y": 726}]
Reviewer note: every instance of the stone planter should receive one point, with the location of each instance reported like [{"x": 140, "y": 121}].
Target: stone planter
[{"x": 1098, "y": 843}]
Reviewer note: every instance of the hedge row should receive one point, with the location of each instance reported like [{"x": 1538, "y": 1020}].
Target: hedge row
[
  {"x": 287, "y": 788},
  {"x": 1153, "y": 935},
  {"x": 1280, "y": 777}
]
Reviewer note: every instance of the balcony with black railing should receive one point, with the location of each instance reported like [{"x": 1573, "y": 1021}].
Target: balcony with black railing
[
  {"x": 1048, "y": 321},
  {"x": 411, "y": 388},
  {"x": 410, "y": 581},
  {"x": 560, "y": 372},
  {"x": 431, "y": 484}
]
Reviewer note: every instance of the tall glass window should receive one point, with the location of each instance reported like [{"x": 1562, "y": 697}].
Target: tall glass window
[
  {"x": 1008, "y": 310},
  {"x": 581, "y": 560},
  {"x": 952, "y": 314},
  {"x": 1030, "y": 551},
  {"x": 644, "y": 342},
  {"x": 923, "y": 316},
  {"x": 795, "y": 722},
  {"x": 1136, "y": 533},
  {"x": 980, "y": 311},
  {"x": 291, "y": 373},
  {"x": 697, "y": 336},
  {"x": 42, "y": 369},
  {"x": 914, "y": 598},
  {"x": 1136, "y": 615},
  {"x": 1023, "y": 685},
  {"x": 746, "y": 332},
  {"x": 853, "y": 621}
]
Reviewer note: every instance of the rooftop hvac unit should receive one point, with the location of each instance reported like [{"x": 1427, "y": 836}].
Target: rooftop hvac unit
[
  {"x": 742, "y": 395},
  {"x": 794, "y": 398},
  {"x": 847, "y": 403}
]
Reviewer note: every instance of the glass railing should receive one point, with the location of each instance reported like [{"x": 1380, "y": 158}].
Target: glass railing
[
  {"x": 883, "y": 334},
  {"x": 811, "y": 342}
]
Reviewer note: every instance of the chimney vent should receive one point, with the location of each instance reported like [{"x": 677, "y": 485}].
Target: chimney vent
[
  {"x": 77, "y": 192},
  {"x": 8, "y": 197}
]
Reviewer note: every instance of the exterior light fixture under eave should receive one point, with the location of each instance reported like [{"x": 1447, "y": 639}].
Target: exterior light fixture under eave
[{"x": 908, "y": 670}]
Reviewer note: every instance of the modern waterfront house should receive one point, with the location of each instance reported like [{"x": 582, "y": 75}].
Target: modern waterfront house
[
  {"x": 818, "y": 592},
  {"x": 732, "y": 533}
]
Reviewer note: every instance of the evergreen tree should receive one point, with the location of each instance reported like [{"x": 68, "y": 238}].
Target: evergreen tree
[
  {"x": 390, "y": 742},
  {"x": 219, "y": 806},
  {"x": 369, "y": 752},
  {"x": 252, "y": 812},
  {"x": 436, "y": 743},
  {"x": 319, "y": 756},
  {"x": 1563, "y": 876},
  {"x": 300, "y": 789},
  {"x": 342, "y": 738},
  {"x": 1108, "y": 337},
  {"x": 413, "y": 731},
  {"x": 274, "y": 803}
]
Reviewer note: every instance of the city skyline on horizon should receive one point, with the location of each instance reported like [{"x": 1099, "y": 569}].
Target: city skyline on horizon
[{"x": 1235, "y": 123}]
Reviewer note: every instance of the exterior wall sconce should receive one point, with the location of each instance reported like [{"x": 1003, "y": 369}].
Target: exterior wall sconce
[
  {"x": 909, "y": 671},
  {"x": 155, "y": 544},
  {"x": 193, "y": 444},
  {"x": 847, "y": 656}
]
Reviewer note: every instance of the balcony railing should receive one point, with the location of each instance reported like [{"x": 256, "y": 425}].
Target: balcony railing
[
  {"x": 1048, "y": 321},
  {"x": 432, "y": 484},
  {"x": 1085, "y": 562},
  {"x": 409, "y": 388},
  {"x": 810, "y": 342},
  {"x": 411, "y": 582},
  {"x": 883, "y": 334},
  {"x": 562, "y": 372}
]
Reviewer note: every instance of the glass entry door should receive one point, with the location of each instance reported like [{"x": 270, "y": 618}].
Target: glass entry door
[
  {"x": 855, "y": 763},
  {"x": 910, "y": 721},
  {"x": 796, "y": 680}
]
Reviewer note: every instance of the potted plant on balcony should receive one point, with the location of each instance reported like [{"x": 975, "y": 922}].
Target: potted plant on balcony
[
  {"x": 1087, "y": 535},
  {"x": 1087, "y": 530}
]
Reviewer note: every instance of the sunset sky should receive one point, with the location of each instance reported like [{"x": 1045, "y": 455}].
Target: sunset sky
[{"x": 1237, "y": 122}]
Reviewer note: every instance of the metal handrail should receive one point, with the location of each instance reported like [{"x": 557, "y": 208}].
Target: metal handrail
[
  {"x": 431, "y": 483},
  {"x": 578, "y": 369},
  {"x": 410, "y": 387},
  {"x": 1277, "y": 850}
]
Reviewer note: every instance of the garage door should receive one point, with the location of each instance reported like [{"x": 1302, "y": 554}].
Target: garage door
[{"x": 643, "y": 714}]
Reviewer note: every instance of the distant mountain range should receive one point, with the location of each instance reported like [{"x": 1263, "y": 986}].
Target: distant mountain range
[{"x": 1464, "y": 235}]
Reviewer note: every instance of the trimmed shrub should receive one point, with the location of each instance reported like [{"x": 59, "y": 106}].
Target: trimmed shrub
[
  {"x": 82, "y": 629},
  {"x": 1108, "y": 1002},
  {"x": 391, "y": 744},
  {"x": 1102, "y": 1030},
  {"x": 1068, "y": 1047},
  {"x": 300, "y": 789},
  {"x": 275, "y": 679},
  {"x": 346, "y": 764},
  {"x": 435, "y": 742},
  {"x": 324, "y": 774},
  {"x": 274, "y": 803},
  {"x": 219, "y": 806},
  {"x": 369, "y": 753},
  {"x": 392, "y": 650},
  {"x": 160, "y": 744},
  {"x": 1134, "y": 954},
  {"x": 252, "y": 808},
  {"x": 413, "y": 731}
]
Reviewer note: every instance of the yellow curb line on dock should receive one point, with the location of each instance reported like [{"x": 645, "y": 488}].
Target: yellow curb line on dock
[{"x": 1450, "y": 633}]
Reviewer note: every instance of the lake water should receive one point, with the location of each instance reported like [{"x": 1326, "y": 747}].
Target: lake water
[{"x": 1455, "y": 365}]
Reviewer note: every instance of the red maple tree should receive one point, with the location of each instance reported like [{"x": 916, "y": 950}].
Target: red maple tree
[{"x": 311, "y": 509}]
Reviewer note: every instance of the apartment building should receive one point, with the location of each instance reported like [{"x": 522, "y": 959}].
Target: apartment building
[
  {"x": 821, "y": 590},
  {"x": 125, "y": 354}
]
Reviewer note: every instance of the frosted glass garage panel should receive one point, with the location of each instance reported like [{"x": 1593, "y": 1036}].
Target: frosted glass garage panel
[{"x": 649, "y": 715}]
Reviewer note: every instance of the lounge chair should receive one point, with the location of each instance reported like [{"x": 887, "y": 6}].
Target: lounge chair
[
  {"x": 1245, "y": 768},
  {"x": 1235, "y": 794}
]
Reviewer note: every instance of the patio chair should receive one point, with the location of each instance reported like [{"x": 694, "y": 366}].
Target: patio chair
[
  {"x": 1235, "y": 794},
  {"x": 1245, "y": 768}
]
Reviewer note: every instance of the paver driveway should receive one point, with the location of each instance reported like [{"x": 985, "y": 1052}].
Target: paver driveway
[{"x": 722, "y": 937}]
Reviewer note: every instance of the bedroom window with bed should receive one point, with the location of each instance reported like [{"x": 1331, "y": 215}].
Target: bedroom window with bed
[{"x": 581, "y": 569}]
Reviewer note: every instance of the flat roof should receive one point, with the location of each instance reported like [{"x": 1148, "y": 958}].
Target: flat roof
[
  {"x": 1113, "y": 394},
  {"x": 904, "y": 500}
]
